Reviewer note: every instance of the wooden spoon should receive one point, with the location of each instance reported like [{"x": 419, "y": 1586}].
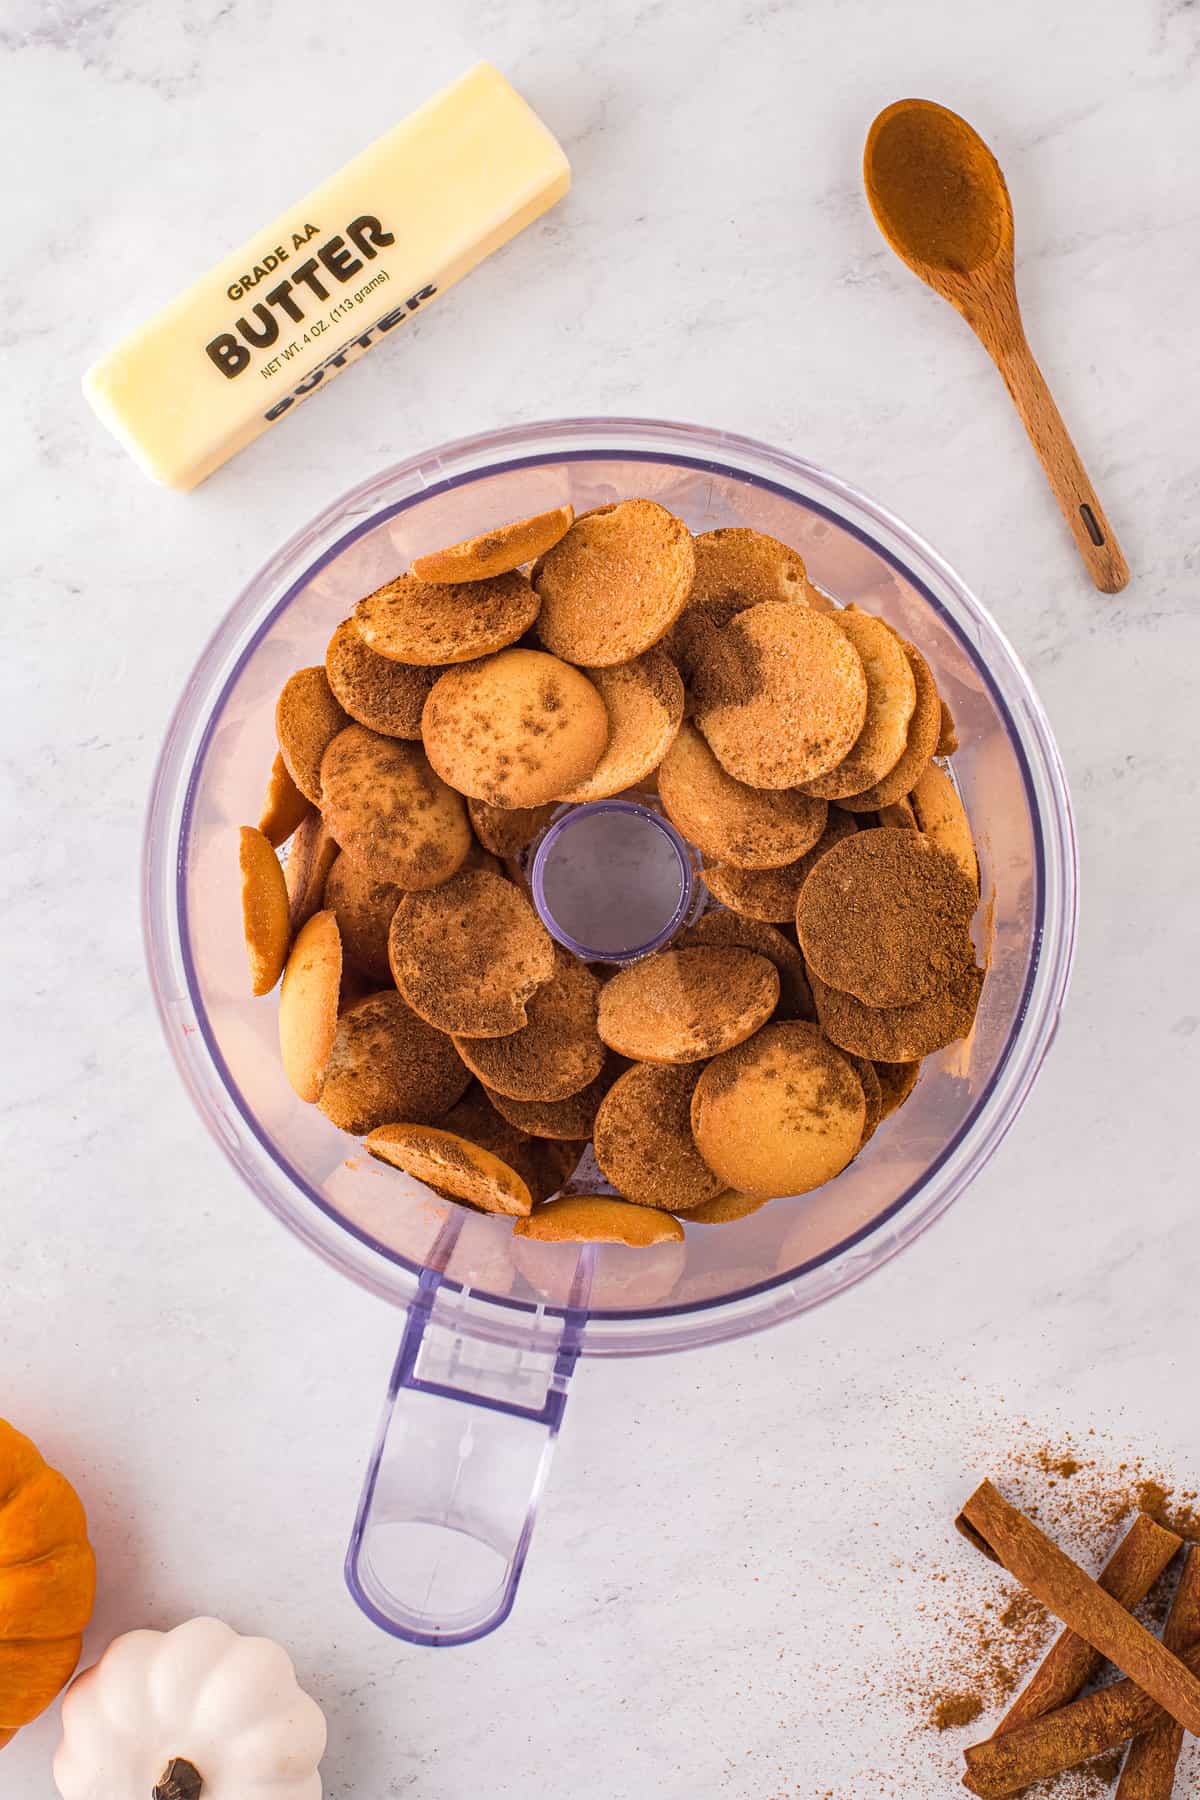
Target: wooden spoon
[{"x": 939, "y": 198}]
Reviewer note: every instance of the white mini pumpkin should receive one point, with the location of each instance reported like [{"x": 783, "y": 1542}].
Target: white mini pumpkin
[{"x": 164, "y": 1711}]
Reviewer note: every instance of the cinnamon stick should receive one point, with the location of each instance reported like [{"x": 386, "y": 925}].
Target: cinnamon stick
[
  {"x": 1149, "y": 1772},
  {"x": 1082, "y": 1604},
  {"x": 1071, "y": 1662},
  {"x": 1060, "y": 1740}
]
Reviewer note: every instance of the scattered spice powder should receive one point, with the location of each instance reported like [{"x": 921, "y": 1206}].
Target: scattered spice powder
[
  {"x": 1022, "y": 1611},
  {"x": 953, "y": 1639},
  {"x": 956, "y": 1709},
  {"x": 1168, "y": 1507},
  {"x": 1084, "y": 1501},
  {"x": 1086, "y": 1496},
  {"x": 989, "y": 1644},
  {"x": 1064, "y": 1466}
]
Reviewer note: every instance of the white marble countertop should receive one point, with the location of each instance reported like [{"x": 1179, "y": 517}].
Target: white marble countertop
[{"x": 718, "y": 1524}]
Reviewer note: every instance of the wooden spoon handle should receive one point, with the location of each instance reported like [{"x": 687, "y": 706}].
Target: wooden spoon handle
[{"x": 1065, "y": 472}]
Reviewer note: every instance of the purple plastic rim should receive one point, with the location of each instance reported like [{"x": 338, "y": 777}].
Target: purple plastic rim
[
  {"x": 579, "y": 815},
  {"x": 353, "y": 1251}
]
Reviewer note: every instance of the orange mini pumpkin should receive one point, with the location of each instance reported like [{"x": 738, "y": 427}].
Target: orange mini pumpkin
[{"x": 47, "y": 1581}]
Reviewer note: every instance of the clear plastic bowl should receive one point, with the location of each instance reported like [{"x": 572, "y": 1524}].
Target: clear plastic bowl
[{"x": 495, "y": 1324}]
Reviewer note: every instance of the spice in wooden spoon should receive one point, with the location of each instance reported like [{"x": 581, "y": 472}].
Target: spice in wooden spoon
[{"x": 940, "y": 200}]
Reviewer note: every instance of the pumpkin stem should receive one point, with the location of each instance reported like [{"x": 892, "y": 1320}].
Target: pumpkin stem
[{"x": 180, "y": 1780}]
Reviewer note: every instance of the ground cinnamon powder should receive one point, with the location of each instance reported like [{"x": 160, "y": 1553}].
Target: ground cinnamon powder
[
  {"x": 935, "y": 1632},
  {"x": 1084, "y": 1494},
  {"x": 685, "y": 1005},
  {"x": 899, "y": 1033},
  {"x": 783, "y": 696},
  {"x": 557, "y": 1052},
  {"x": 953, "y": 1710},
  {"x": 469, "y": 954},
  {"x": 1081, "y": 1499},
  {"x": 730, "y": 673},
  {"x": 984, "y": 1659},
  {"x": 1166, "y": 1506},
  {"x": 377, "y": 691},
  {"x": 935, "y": 186},
  {"x": 643, "y": 1138},
  {"x": 885, "y": 915}
]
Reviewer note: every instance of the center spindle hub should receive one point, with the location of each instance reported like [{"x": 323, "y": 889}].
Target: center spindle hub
[{"x": 612, "y": 881}]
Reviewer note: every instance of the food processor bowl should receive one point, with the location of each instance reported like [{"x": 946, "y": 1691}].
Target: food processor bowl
[{"x": 496, "y": 1323}]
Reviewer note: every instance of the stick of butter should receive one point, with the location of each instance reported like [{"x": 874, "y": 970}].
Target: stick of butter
[{"x": 338, "y": 272}]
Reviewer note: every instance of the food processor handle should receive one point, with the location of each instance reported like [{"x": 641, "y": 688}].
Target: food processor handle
[{"x": 458, "y": 1467}]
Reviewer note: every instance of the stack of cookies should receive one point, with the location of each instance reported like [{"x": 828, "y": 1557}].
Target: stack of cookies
[{"x": 425, "y": 1007}]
